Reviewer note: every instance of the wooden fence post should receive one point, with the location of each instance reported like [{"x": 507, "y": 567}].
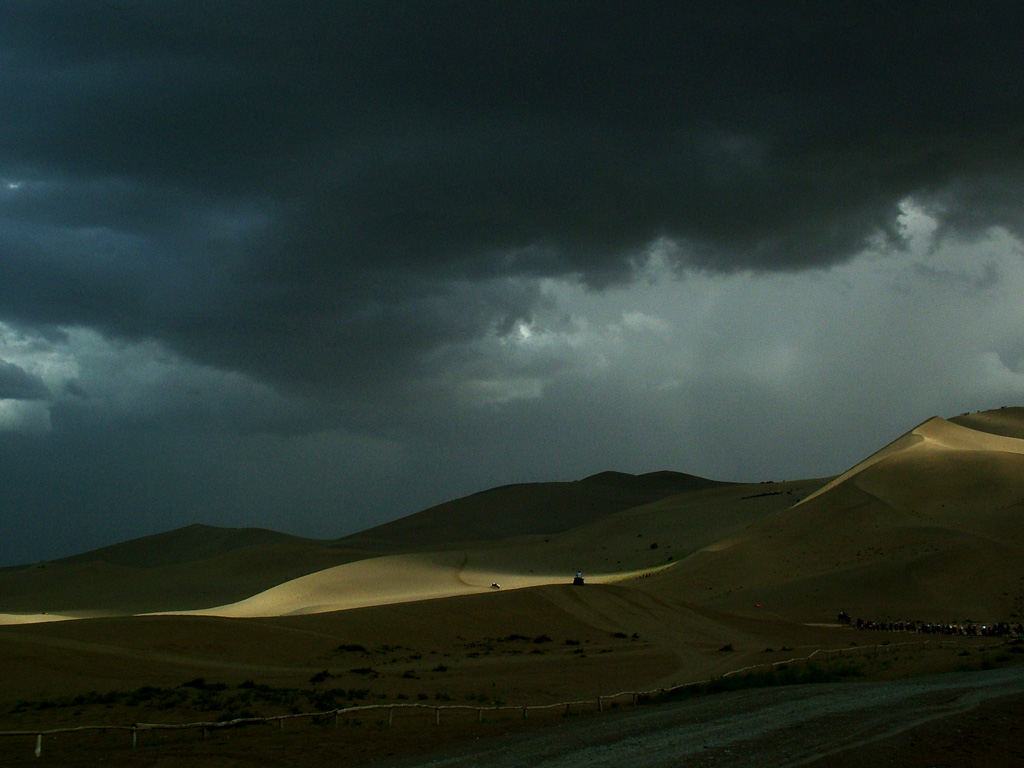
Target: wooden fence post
[
  {"x": 391, "y": 716},
  {"x": 39, "y": 744}
]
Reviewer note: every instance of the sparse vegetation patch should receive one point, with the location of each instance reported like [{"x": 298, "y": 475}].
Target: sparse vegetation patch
[{"x": 781, "y": 675}]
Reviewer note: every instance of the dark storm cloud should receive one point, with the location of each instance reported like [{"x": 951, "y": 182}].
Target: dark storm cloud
[
  {"x": 231, "y": 179},
  {"x": 18, "y": 384}
]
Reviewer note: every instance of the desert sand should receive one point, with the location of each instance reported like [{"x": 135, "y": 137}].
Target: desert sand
[
  {"x": 686, "y": 580},
  {"x": 394, "y": 579},
  {"x": 32, "y": 618}
]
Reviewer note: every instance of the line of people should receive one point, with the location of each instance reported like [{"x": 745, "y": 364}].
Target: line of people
[{"x": 968, "y": 629}]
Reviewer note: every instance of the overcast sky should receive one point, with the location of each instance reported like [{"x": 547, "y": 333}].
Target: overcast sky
[{"x": 315, "y": 265}]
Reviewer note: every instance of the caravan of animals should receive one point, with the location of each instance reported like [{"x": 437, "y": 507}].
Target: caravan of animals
[{"x": 640, "y": 582}]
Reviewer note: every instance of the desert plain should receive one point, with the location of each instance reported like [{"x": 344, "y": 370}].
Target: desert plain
[{"x": 468, "y": 611}]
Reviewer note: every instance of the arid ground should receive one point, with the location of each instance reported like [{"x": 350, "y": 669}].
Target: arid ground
[{"x": 468, "y": 611}]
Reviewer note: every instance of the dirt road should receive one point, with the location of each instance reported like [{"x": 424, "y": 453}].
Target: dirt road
[{"x": 775, "y": 727}]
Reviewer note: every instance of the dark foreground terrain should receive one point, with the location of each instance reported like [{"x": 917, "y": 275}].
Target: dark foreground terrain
[
  {"x": 955, "y": 719},
  {"x": 961, "y": 719}
]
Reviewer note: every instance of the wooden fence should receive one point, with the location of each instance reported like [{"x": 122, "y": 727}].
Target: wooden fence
[{"x": 598, "y": 702}]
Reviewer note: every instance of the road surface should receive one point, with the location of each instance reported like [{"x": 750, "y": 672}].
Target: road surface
[{"x": 775, "y": 727}]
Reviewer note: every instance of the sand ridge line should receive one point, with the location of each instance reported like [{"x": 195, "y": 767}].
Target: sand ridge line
[
  {"x": 13, "y": 619},
  {"x": 934, "y": 434}
]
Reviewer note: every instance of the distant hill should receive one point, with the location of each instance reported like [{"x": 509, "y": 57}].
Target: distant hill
[
  {"x": 185, "y": 545},
  {"x": 525, "y": 509}
]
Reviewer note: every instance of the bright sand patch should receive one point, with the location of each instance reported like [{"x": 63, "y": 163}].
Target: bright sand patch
[
  {"x": 8, "y": 619},
  {"x": 386, "y": 581}
]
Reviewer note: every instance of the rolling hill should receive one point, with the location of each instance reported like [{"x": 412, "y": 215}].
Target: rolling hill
[{"x": 525, "y": 509}]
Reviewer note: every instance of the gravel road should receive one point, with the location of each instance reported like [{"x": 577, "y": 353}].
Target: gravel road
[{"x": 774, "y": 727}]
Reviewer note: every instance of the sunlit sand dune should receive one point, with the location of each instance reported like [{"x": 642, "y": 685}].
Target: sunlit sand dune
[
  {"x": 931, "y": 437},
  {"x": 377, "y": 581},
  {"x": 7, "y": 619},
  {"x": 931, "y": 525},
  {"x": 388, "y": 580}
]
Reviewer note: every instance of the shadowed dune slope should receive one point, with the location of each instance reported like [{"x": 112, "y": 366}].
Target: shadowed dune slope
[
  {"x": 646, "y": 537},
  {"x": 930, "y": 528},
  {"x": 1008, "y": 422}
]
